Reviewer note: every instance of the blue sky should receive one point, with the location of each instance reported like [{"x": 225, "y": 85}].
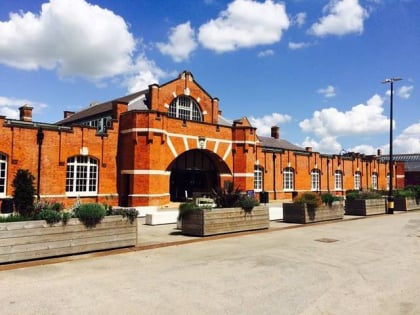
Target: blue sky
[{"x": 312, "y": 67}]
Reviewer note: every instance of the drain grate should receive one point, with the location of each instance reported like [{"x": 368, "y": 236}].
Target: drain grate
[{"x": 326, "y": 240}]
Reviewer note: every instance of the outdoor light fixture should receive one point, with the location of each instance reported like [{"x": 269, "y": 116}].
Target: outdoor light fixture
[{"x": 390, "y": 209}]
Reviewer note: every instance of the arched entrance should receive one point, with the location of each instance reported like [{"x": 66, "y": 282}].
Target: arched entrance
[{"x": 195, "y": 171}]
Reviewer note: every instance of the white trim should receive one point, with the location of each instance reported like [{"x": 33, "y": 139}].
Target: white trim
[
  {"x": 243, "y": 175},
  {"x": 186, "y": 144},
  {"x": 146, "y": 172},
  {"x": 171, "y": 146},
  {"x": 216, "y": 146},
  {"x": 228, "y": 150},
  {"x": 226, "y": 175},
  {"x": 82, "y": 194}
]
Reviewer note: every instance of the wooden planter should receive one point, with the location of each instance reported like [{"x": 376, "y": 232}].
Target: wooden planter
[
  {"x": 27, "y": 240},
  {"x": 301, "y": 213},
  {"x": 205, "y": 222},
  {"x": 365, "y": 206},
  {"x": 406, "y": 204}
]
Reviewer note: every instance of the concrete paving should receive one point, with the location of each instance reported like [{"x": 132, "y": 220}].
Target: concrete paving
[{"x": 367, "y": 266}]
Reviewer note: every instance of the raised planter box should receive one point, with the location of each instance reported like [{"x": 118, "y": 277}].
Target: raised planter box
[
  {"x": 365, "y": 206},
  {"x": 301, "y": 213},
  {"x": 37, "y": 239},
  {"x": 205, "y": 222},
  {"x": 406, "y": 204}
]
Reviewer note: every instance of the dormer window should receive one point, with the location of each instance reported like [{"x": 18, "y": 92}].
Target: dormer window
[{"x": 186, "y": 108}]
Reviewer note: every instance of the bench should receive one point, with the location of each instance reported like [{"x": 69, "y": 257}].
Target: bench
[{"x": 162, "y": 217}]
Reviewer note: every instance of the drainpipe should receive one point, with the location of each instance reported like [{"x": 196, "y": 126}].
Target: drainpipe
[
  {"x": 39, "y": 140},
  {"x": 274, "y": 176}
]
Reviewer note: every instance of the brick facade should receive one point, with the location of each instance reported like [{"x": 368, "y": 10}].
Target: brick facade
[{"x": 146, "y": 155}]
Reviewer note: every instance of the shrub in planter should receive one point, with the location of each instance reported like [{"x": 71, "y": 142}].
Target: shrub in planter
[
  {"x": 90, "y": 214},
  {"x": 228, "y": 197},
  {"x": 248, "y": 203},
  {"x": 328, "y": 199},
  {"x": 185, "y": 208},
  {"x": 50, "y": 215},
  {"x": 131, "y": 214},
  {"x": 311, "y": 199}
]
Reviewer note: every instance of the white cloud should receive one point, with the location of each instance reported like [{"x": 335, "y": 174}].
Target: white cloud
[
  {"x": 365, "y": 149},
  {"x": 299, "y": 45},
  {"x": 72, "y": 36},
  {"x": 264, "y": 124},
  {"x": 245, "y": 23},
  {"x": 181, "y": 42},
  {"x": 362, "y": 119},
  {"x": 146, "y": 72},
  {"x": 328, "y": 92},
  {"x": 343, "y": 17},
  {"x": 409, "y": 140},
  {"x": 405, "y": 91},
  {"x": 266, "y": 53},
  {"x": 299, "y": 19},
  {"x": 9, "y": 106},
  {"x": 325, "y": 145}
]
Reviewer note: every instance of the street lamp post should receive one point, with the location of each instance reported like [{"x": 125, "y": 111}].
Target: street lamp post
[{"x": 390, "y": 207}]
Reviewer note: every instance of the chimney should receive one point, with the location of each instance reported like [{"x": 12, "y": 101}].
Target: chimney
[
  {"x": 25, "y": 113},
  {"x": 308, "y": 149},
  {"x": 68, "y": 113},
  {"x": 379, "y": 153},
  {"x": 275, "y": 132}
]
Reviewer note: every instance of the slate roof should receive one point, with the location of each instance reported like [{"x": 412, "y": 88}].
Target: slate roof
[
  {"x": 96, "y": 110},
  {"x": 269, "y": 142},
  {"x": 414, "y": 157}
]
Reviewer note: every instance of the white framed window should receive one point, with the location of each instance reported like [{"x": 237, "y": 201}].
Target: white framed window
[
  {"x": 288, "y": 179},
  {"x": 3, "y": 175},
  {"x": 375, "y": 181},
  {"x": 315, "y": 179},
  {"x": 82, "y": 176},
  {"x": 357, "y": 180},
  {"x": 258, "y": 178},
  {"x": 338, "y": 180},
  {"x": 185, "y": 107}
]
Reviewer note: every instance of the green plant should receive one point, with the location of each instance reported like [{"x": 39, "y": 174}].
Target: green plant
[
  {"x": 404, "y": 193},
  {"x": 328, "y": 198},
  {"x": 13, "y": 218},
  {"x": 227, "y": 197},
  {"x": 248, "y": 203},
  {"x": 90, "y": 214},
  {"x": 311, "y": 199},
  {"x": 185, "y": 208},
  {"x": 65, "y": 217},
  {"x": 24, "y": 192},
  {"x": 131, "y": 213},
  {"x": 50, "y": 215},
  {"x": 356, "y": 194}
]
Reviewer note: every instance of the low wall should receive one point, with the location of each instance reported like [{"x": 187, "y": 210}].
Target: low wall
[
  {"x": 300, "y": 213},
  {"x": 204, "y": 222},
  {"x": 27, "y": 240},
  {"x": 365, "y": 206}
]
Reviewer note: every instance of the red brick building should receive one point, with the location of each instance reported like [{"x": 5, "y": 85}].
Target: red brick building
[{"x": 164, "y": 144}]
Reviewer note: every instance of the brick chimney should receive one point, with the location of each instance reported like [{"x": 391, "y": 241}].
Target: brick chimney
[
  {"x": 308, "y": 149},
  {"x": 25, "y": 113},
  {"x": 68, "y": 113},
  {"x": 275, "y": 132}
]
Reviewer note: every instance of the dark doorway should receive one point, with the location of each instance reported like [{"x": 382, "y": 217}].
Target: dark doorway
[{"x": 195, "y": 172}]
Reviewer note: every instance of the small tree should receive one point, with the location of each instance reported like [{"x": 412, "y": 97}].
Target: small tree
[{"x": 24, "y": 192}]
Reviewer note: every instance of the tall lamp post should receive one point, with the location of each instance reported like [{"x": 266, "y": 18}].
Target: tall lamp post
[{"x": 390, "y": 207}]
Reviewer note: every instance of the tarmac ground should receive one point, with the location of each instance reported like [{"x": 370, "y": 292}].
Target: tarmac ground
[{"x": 363, "y": 266}]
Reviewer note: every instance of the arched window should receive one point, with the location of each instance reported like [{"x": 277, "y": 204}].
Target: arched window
[
  {"x": 338, "y": 180},
  {"x": 82, "y": 176},
  {"x": 288, "y": 179},
  {"x": 258, "y": 178},
  {"x": 315, "y": 179},
  {"x": 375, "y": 181},
  {"x": 3, "y": 175},
  {"x": 357, "y": 180},
  {"x": 185, "y": 107}
]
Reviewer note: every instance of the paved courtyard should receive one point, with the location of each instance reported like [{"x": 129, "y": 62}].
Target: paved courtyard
[{"x": 367, "y": 266}]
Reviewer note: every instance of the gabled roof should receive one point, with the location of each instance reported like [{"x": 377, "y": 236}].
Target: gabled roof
[
  {"x": 269, "y": 142},
  {"x": 97, "y": 110}
]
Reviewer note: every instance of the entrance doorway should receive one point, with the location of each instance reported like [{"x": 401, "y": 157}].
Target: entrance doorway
[{"x": 195, "y": 172}]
